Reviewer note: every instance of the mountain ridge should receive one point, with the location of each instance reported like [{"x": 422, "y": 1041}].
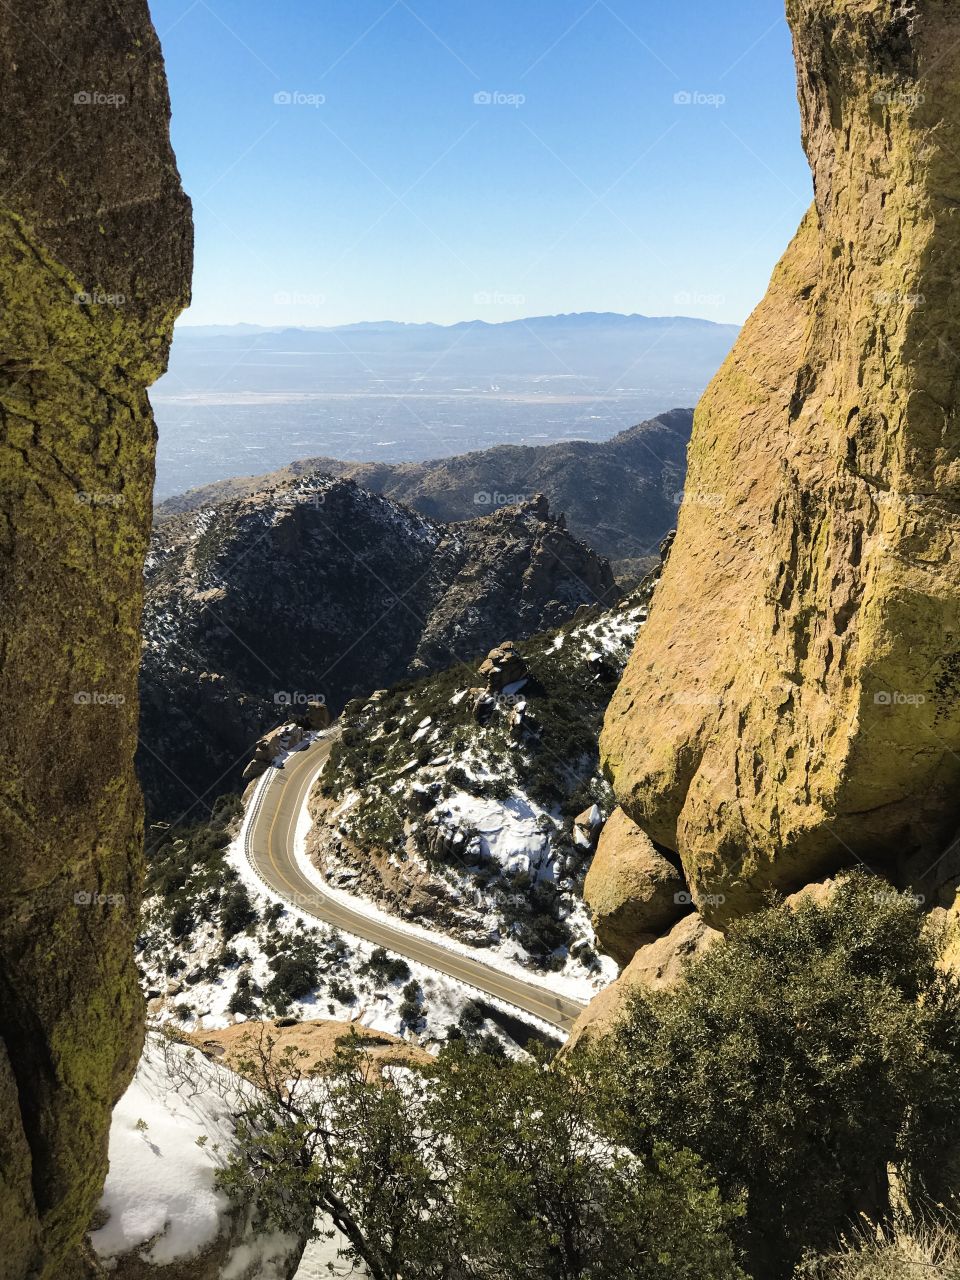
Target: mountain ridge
[{"x": 639, "y": 472}]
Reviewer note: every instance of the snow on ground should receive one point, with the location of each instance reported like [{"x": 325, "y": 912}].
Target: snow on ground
[
  {"x": 349, "y": 992},
  {"x": 171, "y": 1133},
  {"x": 505, "y": 956}
]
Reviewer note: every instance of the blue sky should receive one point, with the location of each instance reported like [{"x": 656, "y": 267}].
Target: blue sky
[{"x": 344, "y": 168}]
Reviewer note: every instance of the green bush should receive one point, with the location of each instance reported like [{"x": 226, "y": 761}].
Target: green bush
[
  {"x": 296, "y": 973},
  {"x": 236, "y": 911},
  {"x": 815, "y": 1049},
  {"x": 386, "y": 967},
  {"x": 472, "y": 1170}
]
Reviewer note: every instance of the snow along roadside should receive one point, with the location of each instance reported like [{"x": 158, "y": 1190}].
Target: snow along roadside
[
  {"x": 576, "y": 990},
  {"x": 241, "y": 859}
]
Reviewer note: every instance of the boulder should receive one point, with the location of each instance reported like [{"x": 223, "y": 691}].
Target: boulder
[
  {"x": 632, "y": 890},
  {"x": 661, "y": 963},
  {"x": 317, "y": 714},
  {"x": 502, "y": 666},
  {"x": 586, "y": 827},
  {"x": 793, "y": 702},
  {"x": 655, "y": 965}
]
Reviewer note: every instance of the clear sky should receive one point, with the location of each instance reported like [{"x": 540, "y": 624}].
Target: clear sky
[{"x": 444, "y": 160}]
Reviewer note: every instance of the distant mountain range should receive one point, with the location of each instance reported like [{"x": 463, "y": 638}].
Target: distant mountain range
[
  {"x": 565, "y": 320},
  {"x": 249, "y": 398},
  {"x": 618, "y": 495}
]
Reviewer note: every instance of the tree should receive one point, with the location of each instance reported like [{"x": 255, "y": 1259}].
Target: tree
[
  {"x": 816, "y": 1048},
  {"x": 472, "y": 1169}
]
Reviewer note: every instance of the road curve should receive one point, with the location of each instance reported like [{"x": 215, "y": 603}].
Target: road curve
[{"x": 270, "y": 848}]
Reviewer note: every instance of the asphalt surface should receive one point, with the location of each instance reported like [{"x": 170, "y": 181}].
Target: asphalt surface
[{"x": 270, "y": 848}]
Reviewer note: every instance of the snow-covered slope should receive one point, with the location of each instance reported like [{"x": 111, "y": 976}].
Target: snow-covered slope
[
  {"x": 216, "y": 947},
  {"x": 171, "y": 1133},
  {"x": 467, "y": 801}
]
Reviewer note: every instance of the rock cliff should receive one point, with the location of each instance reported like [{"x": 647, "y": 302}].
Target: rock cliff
[
  {"x": 95, "y": 252},
  {"x": 793, "y": 703}
]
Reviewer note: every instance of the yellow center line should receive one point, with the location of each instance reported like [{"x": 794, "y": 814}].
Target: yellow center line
[{"x": 454, "y": 966}]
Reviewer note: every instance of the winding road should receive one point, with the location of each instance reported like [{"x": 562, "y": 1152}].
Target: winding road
[{"x": 270, "y": 847}]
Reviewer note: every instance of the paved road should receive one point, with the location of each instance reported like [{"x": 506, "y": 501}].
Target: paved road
[{"x": 270, "y": 848}]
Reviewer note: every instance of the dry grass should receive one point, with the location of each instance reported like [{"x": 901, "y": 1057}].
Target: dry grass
[{"x": 911, "y": 1252}]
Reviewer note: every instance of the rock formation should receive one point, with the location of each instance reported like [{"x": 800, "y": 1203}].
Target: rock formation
[
  {"x": 640, "y": 473},
  {"x": 94, "y": 266},
  {"x": 793, "y": 704},
  {"x": 632, "y": 890}
]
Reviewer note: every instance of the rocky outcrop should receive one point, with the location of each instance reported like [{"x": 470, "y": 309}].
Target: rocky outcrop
[
  {"x": 793, "y": 703},
  {"x": 95, "y": 248},
  {"x": 632, "y": 890},
  {"x": 503, "y": 665},
  {"x": 297, "y": 600}
]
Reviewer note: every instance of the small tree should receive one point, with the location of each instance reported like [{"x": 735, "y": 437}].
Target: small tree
[{"x": 471, "y": 1170}]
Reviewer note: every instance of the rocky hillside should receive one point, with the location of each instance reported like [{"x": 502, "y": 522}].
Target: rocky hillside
[
  {"x": 793, "y": 704},
  {"x": 95, "y": 254},
  {"x": 620, "y": 496},
  {"x": 471, "y": 800},
  {"x": 316, "y": 591}
]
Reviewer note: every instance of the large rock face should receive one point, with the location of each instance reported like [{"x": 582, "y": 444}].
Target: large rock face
[
  {"x": 95, "y": 249},
  {"x": 632, "y": 890},
  {"x": 792, "y": 704}
]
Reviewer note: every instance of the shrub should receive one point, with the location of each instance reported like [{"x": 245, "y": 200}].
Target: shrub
[
  {"x": 342, "y": 992},
  {"x": 386, "y": 967},
  {"x": 472, "y": 1168},
  {"x": 236, "y": 911},
  {"x": 296, "y": 972},
  {"x": 814, "y": 1049}
]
